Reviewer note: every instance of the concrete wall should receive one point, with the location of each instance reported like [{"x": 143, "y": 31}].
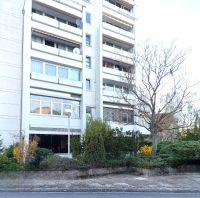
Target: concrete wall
[{"x": 10, "y": 68}]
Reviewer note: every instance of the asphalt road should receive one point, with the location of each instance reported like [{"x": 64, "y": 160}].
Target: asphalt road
[{"x": 97, "y": 195}]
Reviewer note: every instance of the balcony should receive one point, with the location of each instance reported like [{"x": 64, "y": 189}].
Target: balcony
[
  {"x": 53, "y": 122},
  {"x": 114, "y": 74},
  {"x": 46, "y": 24},
  {"x": 65, "y": 6},
  {"x": 117, "y": 54},
  {"x": 130, "y": 2},
  {"x": 118, "y": 13},
  {"x": 74, "y": 87},
  {"x": 118, "y": 33},
  {"x": 114, "y": 97},
  {"x": 56, "y": 51}
]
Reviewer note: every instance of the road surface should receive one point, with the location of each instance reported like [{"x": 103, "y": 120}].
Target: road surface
[{"x": 97, "y": 195}]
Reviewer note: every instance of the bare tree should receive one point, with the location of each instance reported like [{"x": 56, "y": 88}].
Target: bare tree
[{"x": 161, "y": 92}]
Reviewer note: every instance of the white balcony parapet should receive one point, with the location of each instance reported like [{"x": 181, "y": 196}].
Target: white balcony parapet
[
  {"x": 130, "y": 2},
  {"x": 118, "y": 10},
  {"x": 117, "y": 54},
  {"x": 44, "y": 77},
  {"x": 118, "y": 30},
  {"x": 117, "y": 51},
  {"x": 66, "y": 6},
  {"x": 70, "y": 82},
  {"x": 114, "y": 74},
  {"x": 56, "y": 51},
  {"x": 54, "y": 23},
  {"x": 118, "y": 33}
]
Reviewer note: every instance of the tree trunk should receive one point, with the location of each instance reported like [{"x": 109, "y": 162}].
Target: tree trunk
[{"x": 154, "y": 145}]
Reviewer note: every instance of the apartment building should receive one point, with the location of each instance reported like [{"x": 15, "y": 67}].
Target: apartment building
[{"x": 62, "y": 61}]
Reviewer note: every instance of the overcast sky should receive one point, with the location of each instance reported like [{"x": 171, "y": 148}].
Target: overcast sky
[{"x": 167, "y": 20}]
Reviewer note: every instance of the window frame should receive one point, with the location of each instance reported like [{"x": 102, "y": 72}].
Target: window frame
[
  {"x": 88, "y": 61},
  {"x": 88, "y": 84},
  {"x": 88, "y": 17},
  {"x": 88, "y": 40}
]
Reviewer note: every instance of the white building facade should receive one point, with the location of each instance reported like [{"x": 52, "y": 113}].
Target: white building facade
[{"x": 63, "y": 54}]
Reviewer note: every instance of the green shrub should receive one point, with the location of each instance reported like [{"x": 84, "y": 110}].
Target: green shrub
[
  {"x": 39, "y": 155},
  {"x": 180, "y": 152},
  {"x": 76, "y": 146},
  {"x": 59, "y": 163},
  {"x": 46, "y": 163},
  {"x": 1, "y": 144},
  {"x": 8, "y": 152},
  {"x": 94, "y": 151},
  {"x": 7, "y": 164},
  {"x": 192, "y": 134},
  {"x": 148, "y": 162}
]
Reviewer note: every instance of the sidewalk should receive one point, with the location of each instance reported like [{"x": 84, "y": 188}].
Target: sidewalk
[{"x": 122, "y": 182}]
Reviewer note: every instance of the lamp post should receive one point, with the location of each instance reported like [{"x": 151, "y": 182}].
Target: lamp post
[{"x": 68, "y": 113}]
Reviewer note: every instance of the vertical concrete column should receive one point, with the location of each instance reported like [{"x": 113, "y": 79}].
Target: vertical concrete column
[
  {"x": 26, "y": 65},
  {"x": 83, "y": 101},
  {"x": 98, "y": 61}
]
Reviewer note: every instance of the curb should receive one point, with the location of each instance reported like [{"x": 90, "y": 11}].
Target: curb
[{"x": 97, "y": 190}]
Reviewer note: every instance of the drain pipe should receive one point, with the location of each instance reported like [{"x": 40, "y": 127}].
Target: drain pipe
[{"x": 22, "y": 73}]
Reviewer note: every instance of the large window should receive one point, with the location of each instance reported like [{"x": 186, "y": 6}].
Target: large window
[
  {"x": 115, "y": 88},
  {"x": 54, "y": 106},
  {"x": 35, "y": 106},
  {"x": 63, "y": 72},
  {"x": 50, "y": 70},
  {"x": 55, "y": 70},
  {"x": 36, "y": 66},
  {"x": 110, "y": 87},
  {"x": 118, "y": 115},
  {"x": 75, "y": 74}
]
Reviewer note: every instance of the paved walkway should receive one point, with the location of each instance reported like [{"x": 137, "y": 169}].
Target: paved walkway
[{"x": 122, "y": 182}]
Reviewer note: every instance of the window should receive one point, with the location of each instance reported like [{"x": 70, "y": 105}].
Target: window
[
  {"x": 61, "y": 20},
  {"x": 125, "y": 90},
  {"x": 36, "y": 66},
  {"x": 88, "y": 84},
  {"x": 61, "y": 46},
  {"x": 118, "y": 115},
  {"x": 37, "y": 11},
  {"x": 75, "y": 75},
  {"x": 72, "y": 24},
  {"x": 109, "y": 87},
  {"x": 56, "y": 108},
  {"x": 88, "y": 112},
  {"x": 37, "y": 39},
  {"x": 35, "y": 106},
  {"x": 88, "y": 18},
  {"x": 49, "y": 15},
  {"x": 88, "y": 40},
  {"x": 45, "y": 107},
  {"x": 118, "y": 89},
  {"x": 88, "y": 62},
  {"x": 50, "y": 70},
  {"x": 49, "y": 43},
  {"x": 63, "y": 72}
]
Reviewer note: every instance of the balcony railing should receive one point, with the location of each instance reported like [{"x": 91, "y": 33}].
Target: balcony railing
[
  {"x": 55, "y": 23},
  {"x": 117, "y": 51},
  {"x": 56, "y": 51},
  {"x": 118, "y": 10},
  {"x": 117, "y": 54},
  {"x": 66, "y": 6},
  {"x": 118, "y": 34}
]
